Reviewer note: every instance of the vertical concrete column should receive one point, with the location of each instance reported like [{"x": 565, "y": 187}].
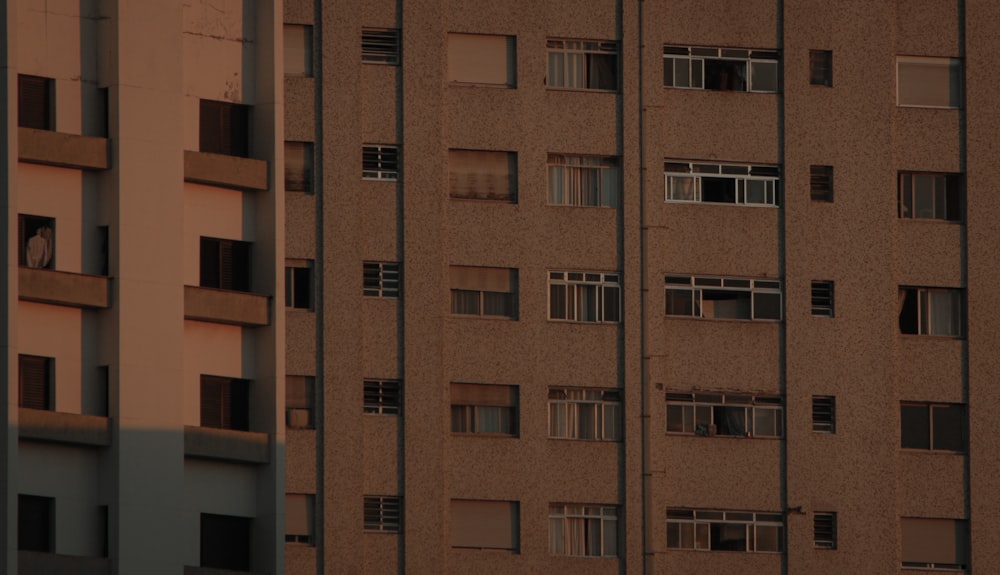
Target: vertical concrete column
[
  {"x": 141, "y": 63},
  {"x": 425, "y": 490}
]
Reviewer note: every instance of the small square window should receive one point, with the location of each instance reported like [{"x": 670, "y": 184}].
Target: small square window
[
  {"x": 822, "y": 298},
  {"x": 382, "y": 396},
  {"x": 298, "y": 284},
  {"x": 224, "y": 128},
  {"x": 225, "y": 541},
  {"x": 36, "y": 238},
  {"x": 35, "y": 102},
  {"x": 225, "y": 403},
  {"x": 380, "y": 163},
  {"x": 821, "y": 183},
  {"x": 821, "y": 67},
  {"x": 382, "y": 513},
  {"x": 825, "y": 530},
  {"x": 380, "y": 46},
  {"x": 824, "y": 413},
  {"x": 225, "y": 264},
  {"x": 381, "y": 279}
]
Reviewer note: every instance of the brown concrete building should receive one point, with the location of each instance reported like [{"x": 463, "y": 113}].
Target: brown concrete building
[{"x": 590, "y": 286}]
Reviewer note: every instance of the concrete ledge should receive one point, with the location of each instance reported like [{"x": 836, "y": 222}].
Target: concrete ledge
[
  {"x": 35, "y": 563},
  {"x": 63, "y": 288},
  {"x": 225, "y": 306},
  {"x": 228, "y": 444},
  {"x": 43, "y": 425},
  {"x": 225, "y": 171},
  {"x": 59, "y": 149}
]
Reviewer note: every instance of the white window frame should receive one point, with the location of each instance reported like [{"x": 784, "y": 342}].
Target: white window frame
[
  {"x": 578, "y": 287},
  {"x": 580, "y": 180},
  {"x": 598, "y": 524},
  {"x": 381, "y": 279},
  {"x": 382, "y": 513},
  {"x": 380, "y": 162},
  {"x": 676, "y": 172},
  {"x": 585, "y": 49},
  {"x": 926, "y": 298},
  {"x": 699, "y": 413},
  {"x": 694, "y": 57},
  {"x": 696, "y": 285},
  {"x": 604, "y": 407},
  {"x": 692, "y": 528}
]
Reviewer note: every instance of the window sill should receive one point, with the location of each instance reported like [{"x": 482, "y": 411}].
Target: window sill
[
  {"x": 226, "y": 306},
  {"x": 488, "y": 86},
  {"x": 484, "y": 435},
  {"x": 61, "y": 149},
  {"x": 723, "y": 319},
  {"x": 931, "y": 452},
  {"x": 614, "y": 92},
  {"x": 59, "y": 427},
  {"x": 63, "y": 288},
  {"x": 720, "y": 436},
  {"x": 928, "y": 336},
  {"x": 225, "y": 171}
]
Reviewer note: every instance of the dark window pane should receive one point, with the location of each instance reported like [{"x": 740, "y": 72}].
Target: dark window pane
[
  {"x": 34, "y": 523},
  {"x": 916, "y": 427},
  {"x": 225, "y": 542},
  {"x": 949, "y": 427},
  {"x": 721, "y": 190},
  {"x": 908, "y": 315}
]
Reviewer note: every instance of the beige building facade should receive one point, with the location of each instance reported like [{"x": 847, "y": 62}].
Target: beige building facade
[{"x": 442, "y": 286}]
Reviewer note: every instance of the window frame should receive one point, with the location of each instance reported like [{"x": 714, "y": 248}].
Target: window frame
[
  {"x": 239, "y": 252},
  {"x": 822, "y": 298},
  {"x": 233, "y": 402},
  {"x": 959, "y": 528},
  {"x": 698, "y": 285},
  {"x": 701, "y": 521},
  {"x": 307, "y": 404},
  {"x": 382, "y": 396},
  {"x": 588, "y": 49},
  {"x": 40, "y": 117},
  {"x": 308, "y": 65},
  {"x": 956, "y": 71},
  {"x": 931, "y": 409},
  {"x": 461, "y": 297},
  {"x": 606, "y": 407},
  {"x": 381, "y": 46},
  {"x": 382, "y": 280},
  {"x": 824, "y": 414},
  {"x": 456, "y": 177},
  {"x": 26, "y": 365},
  {"x": 564, "y": 516},
  {"x": 925, "y": 307},
  {"x": 573, "y": 283},
  {"x": 821, "y": 68},
  {"x": 821, "y": 183},
  {"x": 308, "y": 169},
  {"x": 383, "y": 514},
  {"x": 27, "y": 227},
  {"x": 225, "y": 128},
  {"x": 380, "y": 162},
  {"x": 825, "y": 530},
  {"x": 695, "y": 407},
  {"x": 566, "y": 179},
  {"x": 953, "y": 196},
  {"x": 308, "y": 501},
  {"x": 741, "y": 174},
  {"x": 298, "y": 271},
  {"x": 696, "y": 57}
]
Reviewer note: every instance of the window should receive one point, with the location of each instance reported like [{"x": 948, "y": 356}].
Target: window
[
  {"x": 488, "y": 292},
  {"x": 821, "y": 183},
  {"x": 225, "y": 542},
  {"x": 299, "y": 167},
  {"x": 224, "y": 128},
  {"x": 380, "y": 46},
  {"x": 582, "y": 530},
  {"x": 585, "y": 296},
  {"x": 821, "y": 67},
  {"x": 482, "y": 59},
  {"x": 929, "y": 82},
  {"x": 586, "y": 414},
  {"x": 380, "y": 162},
  {"x": 824, "y": 413},
  {"x": 382, "y": 513},
  {"x": 299, "y": 518},
  {"x": 930, "y": 311},
  {"x": 484, "y": 409},
  {"x": 933, "y": 426},
  {"x": 382, "y": 396},
  {"x": 822, "y": 298},
  {"x": 711, "y": 530},
  {"x": 583, "y": 64},
  {"x": 298, "y": 50},
  {"x": 36, "y": 241},
  {"x": 930, "y": 196},
  {"x": 225, "y": 403},
  {"x": 35, "y": 102},
  {"x": 825, "y": 530},
  {"x": 935, "y": 543},
  {"x": 35, "y": 523},
  {"x": 298, "y": 284},
  {"x": 724, "y": 414},
  {"x": 740, "y": 184},
  {"x": 225, "y": 264},
  {"x": 477, "y": 524},
  {"x": 482, "y": 175},
  {"x": 300, "y": 401},
  {"x": 381, "y": 279},
  {"x": 583, "y": 181},
  {"x": 720, "y": 69},
  {"x": 35, "y": 375},
  {"x": 723, "y": 297}
]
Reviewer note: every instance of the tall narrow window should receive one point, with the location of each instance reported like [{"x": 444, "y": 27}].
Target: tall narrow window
[
  {"x": 583, "y": 64},
  {"x": 298, "y": 50},
  {"x": 36, "y": 237},
  {"x": 822, "y": 298},
  {"x": 35, "y": 375},
  {"x": 224, "y": 128},
  {"x": 583, "y": 181},
  {"x": 225, "y": 403},
  {"x": 381, "y": 279},
  {"x": 485, "y": 409},
  {"x": 298, "y": 284},
  {"x": 930, "y": 311},
  {"x": 225, "y": 264},
  {"x": 382, "y": 513},
  {"x": 487, "y": 292},
  {"x": 300, "y": 401},
  {"x": 482, "y": 59},
  {"x": 821, "y": 183},
  {"x": 821, "y": 67},
  {"x": 583, "y": 530},
  {"x": 35, "y": 102},
  {"x": 824, "y": 413},
  {"x": 299, "y": 167},
  {"x": 585, "y": 296},
  {"x": 225, "y": 541},
  {"x": 482, "y": 175},
  {"x": 932, "y": 196},
  {"x": 380, "y": 46},
  {"x": 299, "y": 518},
  {"x": 825, "y": 530},
  {"x": 35, "y": 523}
]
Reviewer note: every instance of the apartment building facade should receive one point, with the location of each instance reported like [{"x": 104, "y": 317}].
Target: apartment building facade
[{"x": 587, "y": 287}]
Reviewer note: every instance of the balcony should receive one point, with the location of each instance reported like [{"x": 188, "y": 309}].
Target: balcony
[
  {"x": 225, "y": 171},
  {"x": 63, "y": 288},
  {"x": 226, "y": 306},
  {"x": 59, "y": 427},
  {"x": 226, "y": 444},
  {"x": 63, "y": 150}
]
